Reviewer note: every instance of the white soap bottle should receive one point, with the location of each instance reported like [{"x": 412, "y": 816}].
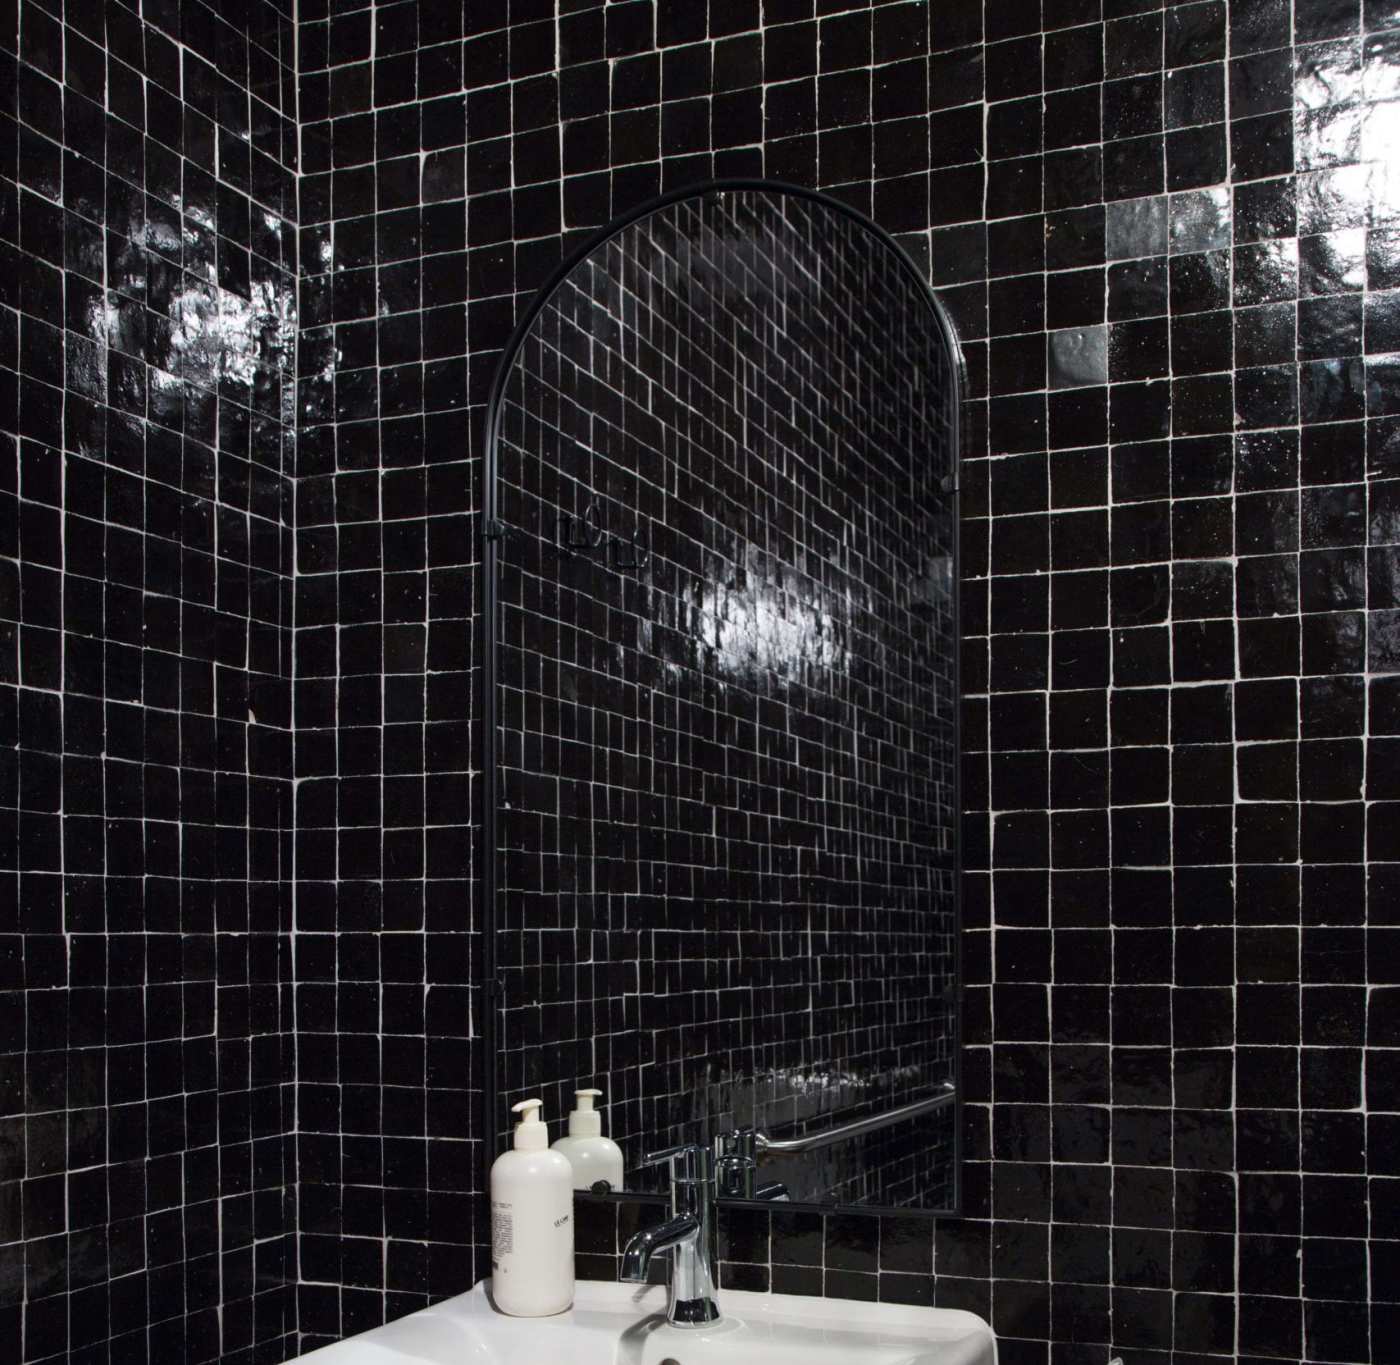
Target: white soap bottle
[
  {"x": 532, "y": 1223},
  {"x": 592, "y": 1156}
]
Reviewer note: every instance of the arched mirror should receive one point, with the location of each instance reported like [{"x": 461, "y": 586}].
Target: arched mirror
[{"x": 721, "y": 844}]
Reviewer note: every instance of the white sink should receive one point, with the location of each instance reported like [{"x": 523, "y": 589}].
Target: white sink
[{"x": 623, "y": 1324}]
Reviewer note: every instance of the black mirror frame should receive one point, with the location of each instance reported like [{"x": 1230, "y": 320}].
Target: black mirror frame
[{"x": 491, "y": 531}]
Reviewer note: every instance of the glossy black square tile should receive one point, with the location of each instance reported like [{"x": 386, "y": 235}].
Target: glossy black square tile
[{"x": 1195, "y": 95}]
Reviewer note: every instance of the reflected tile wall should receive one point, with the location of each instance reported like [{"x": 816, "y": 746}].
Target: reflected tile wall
[
  {"x": 677, "y": 734},
  {"x": 147, "y": 274},
  {"x": 1170, "y": 238}
]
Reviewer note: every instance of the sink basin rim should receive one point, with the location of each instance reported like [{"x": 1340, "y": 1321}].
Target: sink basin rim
[{"x": 466, "y": 1325}]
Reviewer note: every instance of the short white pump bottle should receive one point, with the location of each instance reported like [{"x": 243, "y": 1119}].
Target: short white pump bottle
[
  {"x": 592, "y": 1156},
  {"x": 532, "y": 1223}
]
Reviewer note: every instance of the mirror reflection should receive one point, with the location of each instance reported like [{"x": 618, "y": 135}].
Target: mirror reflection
[{"x": 725, "y": 780}]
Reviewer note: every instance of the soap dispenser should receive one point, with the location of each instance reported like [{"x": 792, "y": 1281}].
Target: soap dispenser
[
  {"x": 532, "y": 1222},
  {"x": 592, "y": 1156}
]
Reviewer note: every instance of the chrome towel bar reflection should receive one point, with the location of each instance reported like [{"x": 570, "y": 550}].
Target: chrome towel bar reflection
[{"x": 811, "y": 1142}]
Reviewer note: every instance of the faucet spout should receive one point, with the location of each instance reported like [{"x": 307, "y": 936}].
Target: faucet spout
[{"x": 636, "y": 1258}]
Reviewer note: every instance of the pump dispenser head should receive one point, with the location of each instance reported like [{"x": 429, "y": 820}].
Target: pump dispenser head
[
  {"x": 584, "y": 1120},
  {"x": 531, "y": 1135}
]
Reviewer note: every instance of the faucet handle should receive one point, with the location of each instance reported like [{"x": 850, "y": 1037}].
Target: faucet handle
[
  {"x": 689, "y": 1161},
  {"x": 666, "y": 1154}
]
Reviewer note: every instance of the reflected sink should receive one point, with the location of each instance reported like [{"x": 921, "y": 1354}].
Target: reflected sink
[{"x": 623, "y": 1324}]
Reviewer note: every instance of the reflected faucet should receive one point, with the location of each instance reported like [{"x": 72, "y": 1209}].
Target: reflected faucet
[
  {"x": 736, "y": 1168},
  {"x": 689, "y": 1235}
]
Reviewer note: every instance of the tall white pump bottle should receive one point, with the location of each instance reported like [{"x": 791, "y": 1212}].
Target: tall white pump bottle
[
  {"x": 592, "y": 1156},
  {"x": 532, "y": 1223}
]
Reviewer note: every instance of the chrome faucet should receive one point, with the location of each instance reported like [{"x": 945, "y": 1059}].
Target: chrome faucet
[{"x": 689, "y": 1235}]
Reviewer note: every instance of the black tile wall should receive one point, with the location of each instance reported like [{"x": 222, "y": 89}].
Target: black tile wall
[
  {"x": 147, "y": 293},
  {"x": 388, "y": 1074},
  {"x": 1170, "y": 245}
]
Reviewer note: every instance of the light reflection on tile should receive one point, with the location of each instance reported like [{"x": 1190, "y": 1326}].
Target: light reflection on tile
[{"x": 1200, "y": 220}]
